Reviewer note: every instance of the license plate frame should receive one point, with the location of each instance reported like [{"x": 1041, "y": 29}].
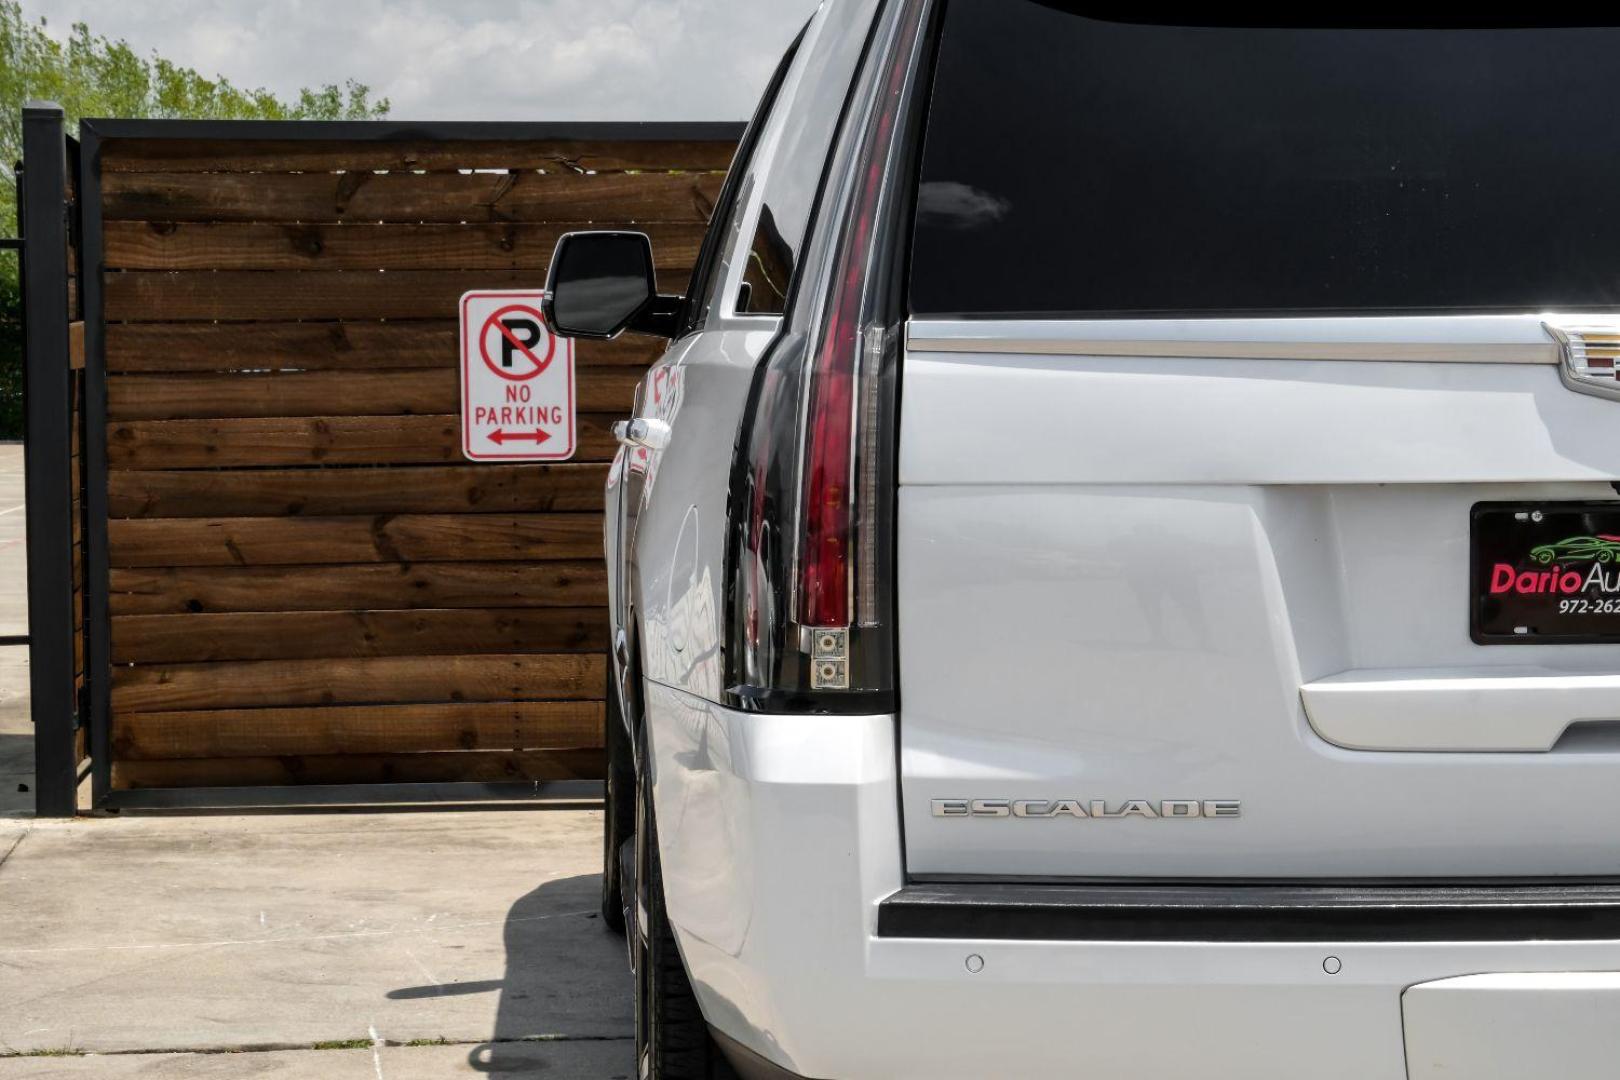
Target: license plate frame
[{"x": 1544, "y": 543}]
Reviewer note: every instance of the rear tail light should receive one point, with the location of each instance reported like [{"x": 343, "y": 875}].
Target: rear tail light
[{"x": 810, "y": 597}]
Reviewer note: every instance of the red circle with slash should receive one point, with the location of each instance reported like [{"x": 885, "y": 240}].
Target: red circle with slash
[{"x": 539, "y": 363}]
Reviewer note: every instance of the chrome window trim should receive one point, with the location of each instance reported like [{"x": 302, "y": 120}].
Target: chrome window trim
[
  {"x": 739, "y": 321},
  {"x": 1465, "y": 339}
]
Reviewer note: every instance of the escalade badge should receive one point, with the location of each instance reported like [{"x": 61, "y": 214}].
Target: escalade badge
[{"x": 1181, "y": 809}]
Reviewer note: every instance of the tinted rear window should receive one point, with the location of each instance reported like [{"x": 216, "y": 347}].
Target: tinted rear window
[{"x": 1076, "y": 166}]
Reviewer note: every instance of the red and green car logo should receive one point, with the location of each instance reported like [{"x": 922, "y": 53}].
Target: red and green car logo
[{"x": 1602, "y": 548}]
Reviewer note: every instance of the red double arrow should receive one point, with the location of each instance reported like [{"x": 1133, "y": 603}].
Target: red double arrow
[{"x": 537, "y": 436}]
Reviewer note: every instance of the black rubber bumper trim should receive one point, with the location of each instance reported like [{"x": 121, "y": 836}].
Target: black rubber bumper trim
[
  {"x": 1258, "y": 913},
  {"x": 749, "y": 1065}
]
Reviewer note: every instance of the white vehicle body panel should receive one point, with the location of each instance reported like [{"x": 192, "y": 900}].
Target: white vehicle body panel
[
  {"x": 1514, "y": 1025},
  {"x": 1118, "y": 574},
  {"x": 699, "y": 389},
  {"x": 779, "y": 839},
  {"x": 1526, "y": 709},
  {"x": 1034, "y": 418}
]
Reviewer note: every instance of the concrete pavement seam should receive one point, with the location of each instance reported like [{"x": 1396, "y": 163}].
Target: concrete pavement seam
[
  {"x": 15, "y": 844},
  {"x": 292, "y": 939},
  {"x": 392, "y": 1044}
]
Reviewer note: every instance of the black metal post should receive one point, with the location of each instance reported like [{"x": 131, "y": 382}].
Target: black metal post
[{"x": 42, "y": 217}]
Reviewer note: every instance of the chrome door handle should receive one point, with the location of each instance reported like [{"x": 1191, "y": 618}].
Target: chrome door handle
[{"x": 646, "y": 433}]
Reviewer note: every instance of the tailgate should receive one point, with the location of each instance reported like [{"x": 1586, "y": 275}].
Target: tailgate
[
  {"x": 1166, "y": 614},
  {"x": 1255, "y": 518}
]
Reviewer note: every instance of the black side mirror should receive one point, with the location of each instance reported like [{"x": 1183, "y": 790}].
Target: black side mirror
[{"x": 602, "y": 283}]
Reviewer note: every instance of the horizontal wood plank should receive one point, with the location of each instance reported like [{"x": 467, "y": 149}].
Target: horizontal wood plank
[
  {"x": 322, "y": 440},
  {"x": 299, "y": 346},
  {"x": 375, "y": 586},
  {"x": 358, "y": 681},
  {"x": 409, "y": 391},
  {"x": 137, "y": 245},
  {"x": 465, "y": 766},
  {"x": 361, "y": 729},
  {"x": 266, "y": 295},
  {"x": 618, "y": 198},
  {"x": 422, "y": 489},
  {"x": 421, "y": 391},
  {"x": 319, "y": 155},
  {"x": 308, "y": 635},
  {"x": 252, "y": 295},
  {"x": 384, "y": 538},
  {"x": 320, "y": 346}
]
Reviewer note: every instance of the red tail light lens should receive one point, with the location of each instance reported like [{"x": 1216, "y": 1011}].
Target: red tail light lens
[
  {"x": 828, "y": 539},
  {"x": 827, "y": 532},
  {"x": 828, "y": 516},
  {"x": 813, "y": 481}
]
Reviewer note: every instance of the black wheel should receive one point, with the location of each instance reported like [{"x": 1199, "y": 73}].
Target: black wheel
[
  {"x": 672, "y": 1039},
  {"x": 618, "y": 806}
]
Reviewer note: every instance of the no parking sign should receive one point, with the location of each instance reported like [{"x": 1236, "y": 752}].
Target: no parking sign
[{"x": 517, "y": 380}]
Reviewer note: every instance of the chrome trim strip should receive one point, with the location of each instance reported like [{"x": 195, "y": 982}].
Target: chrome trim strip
[
  {"x": 1457, "y": 339},
  {"x": 1428, "y": 352}
]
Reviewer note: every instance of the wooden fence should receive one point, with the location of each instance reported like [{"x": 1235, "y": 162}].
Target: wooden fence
[{"x": 306, "y": 583}]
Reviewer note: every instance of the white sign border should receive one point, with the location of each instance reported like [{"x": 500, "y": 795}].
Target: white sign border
[{"x": 566, "y": 344}]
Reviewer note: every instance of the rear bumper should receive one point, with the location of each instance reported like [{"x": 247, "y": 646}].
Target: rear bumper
[{"x": 781, "y": 842}]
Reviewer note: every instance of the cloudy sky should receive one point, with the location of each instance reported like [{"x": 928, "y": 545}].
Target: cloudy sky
[{"x": 473, "y": 59}]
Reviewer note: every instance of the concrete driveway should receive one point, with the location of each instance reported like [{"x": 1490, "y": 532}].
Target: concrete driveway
[
  {"x": 16, "y": 747},
  {"x": 382, "y": 946}
]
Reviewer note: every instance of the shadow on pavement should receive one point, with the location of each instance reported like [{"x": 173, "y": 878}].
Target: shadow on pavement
[
  {"x": 567, "y": 981},
  {"x": 16, "y": 772}
]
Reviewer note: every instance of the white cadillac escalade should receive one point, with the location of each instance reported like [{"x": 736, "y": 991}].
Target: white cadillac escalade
[{"x": 1117, "y": 573}]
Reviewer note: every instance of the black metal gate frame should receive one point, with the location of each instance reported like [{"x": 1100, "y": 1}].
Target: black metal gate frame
[
  {"x": 98, "y": 659},
  {"x": 45, "y": 232}
]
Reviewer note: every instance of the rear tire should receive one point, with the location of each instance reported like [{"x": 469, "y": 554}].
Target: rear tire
[
  {"x": 618, "y": 805},
  {"x": 672, "y": 1038}
]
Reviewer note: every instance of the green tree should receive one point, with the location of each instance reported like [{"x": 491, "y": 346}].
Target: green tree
[{"x": 92, "y": 76}]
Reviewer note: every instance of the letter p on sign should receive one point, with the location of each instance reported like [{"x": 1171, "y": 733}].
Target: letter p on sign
[{"x": 517, "y": 381}]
